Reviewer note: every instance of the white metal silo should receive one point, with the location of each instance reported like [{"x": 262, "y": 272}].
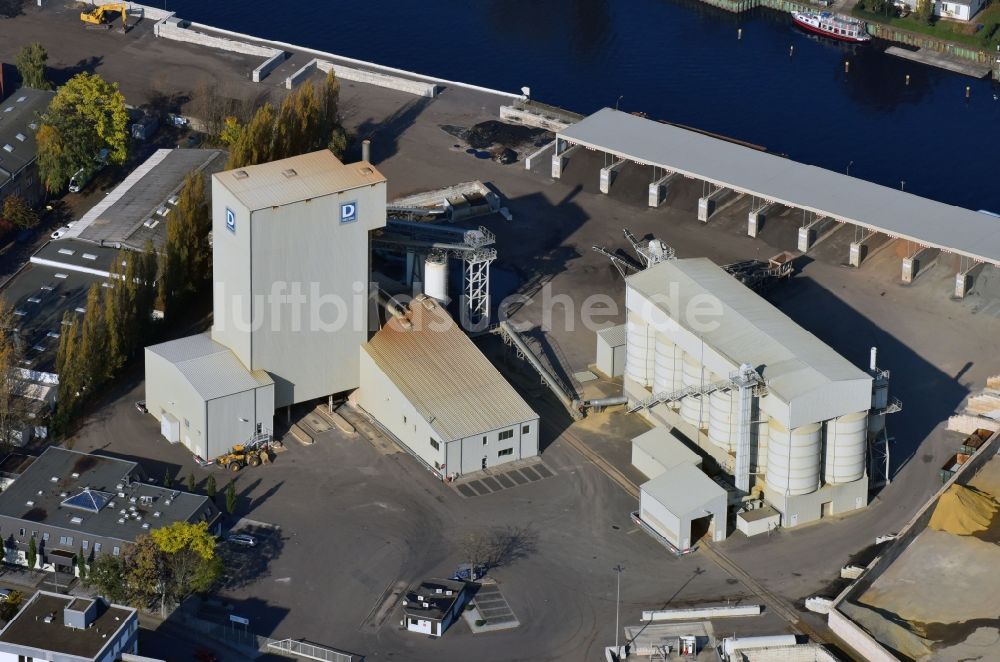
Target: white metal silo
[
  {"x": 720, "y": 420},
  {"x": 436, "y": 276},
  {"x": 793, "y": 458},
  {"x": 667, "y": 365},
  {"x": 761, "y": 430},
  {"x": 846, "y": 440},
  {"x": 693, "y": 409},
  {"x": 638, "y": 359}
]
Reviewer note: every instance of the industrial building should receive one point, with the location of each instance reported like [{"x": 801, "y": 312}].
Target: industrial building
[
  {"x": 222, "y": 402},
  {"x": 139, "y": 208},
  {"x": 67, "y": 501},
  {"x": 425, "y": 381},
  {"x": 779, "y": 411},
  {"x": 298, "y": 227},
  {"x": 52, "y": 626},
  {"x": 18, "y": 150},
  {"x": 290, "y": 259}
]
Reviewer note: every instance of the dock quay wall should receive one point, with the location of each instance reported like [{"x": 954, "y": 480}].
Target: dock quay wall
[{"x": 880, "y": 30}]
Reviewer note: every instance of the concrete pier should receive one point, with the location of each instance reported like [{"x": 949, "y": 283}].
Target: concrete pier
[
  {"x": 756, "y": 217},
  {"x": 859, "y": 249},
  {"x": 659, "y": 189},
  {"x": 916, "y": 263},
  {"x": 709, "y": 203},
  {"x": 609, "y": 173},
  {"x": 810, "y": 232},
  {"x": 965, "y": 278},
  {"x": 559, "y": 157}
]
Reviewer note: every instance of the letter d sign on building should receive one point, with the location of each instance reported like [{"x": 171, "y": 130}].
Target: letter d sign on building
[
  {"x": 348, "y": 212},
  {"x": 230, "y": 220}
]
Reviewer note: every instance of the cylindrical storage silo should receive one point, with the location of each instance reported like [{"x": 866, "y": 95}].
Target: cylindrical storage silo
[
  {"x": 666, "y": 365},
  {"x": 693, "y": 410},
  {"x": 637, "y": 358},
  {"x": 846, "y": 441},
  {"x": 720, "y": 420},
  {"x": 793, "y": 458},
  {"x": 436, "y": 276},
  {"x": 758, "y": 458}
]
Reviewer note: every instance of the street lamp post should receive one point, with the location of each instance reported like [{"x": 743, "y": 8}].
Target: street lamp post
[
  {"x": 849, "y": 164},
  {"x": 618, "y": 100},
  {"x": 902, "y": 185},
  {"x": 618, "y": 606}
]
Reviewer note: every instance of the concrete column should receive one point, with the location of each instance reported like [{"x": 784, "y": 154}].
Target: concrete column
[
  {"x": 559, "y": 158},
  {"x": 913, "y": 265},
  {"x": 809, "y": 232},
  {"x": 608, "y": 175},
  {"x": 534, "y": 155},
  {"x": 658, "y": 190},
  {"x": 708, "y": 204},
  {"x": 964, "y": 280},
  {"x": 755, "y": 218}
]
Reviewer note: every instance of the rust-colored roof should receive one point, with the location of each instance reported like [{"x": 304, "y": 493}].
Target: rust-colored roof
[
  {"x": 297, "y": 178},
  {"x": 444, "y": 375}
]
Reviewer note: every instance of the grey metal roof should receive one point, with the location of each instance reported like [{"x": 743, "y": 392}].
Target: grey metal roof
[
  {"x": 40, "y": 295},
  {"x": 665, "y": 448},
  {"x": 684, "y": 489},
  {"x": 100, "y": 473},
  {"x": 138, "y": 209},
  {"x": 750, "y": 330},
  {"x": 17, "y": 113},
  {"x": 76, "y": 255},
  {"x": 297, "y": 178},
  {"x": 614, "y": 336},
  {"x": 444, "y": 375},
  {"x": 782, "y": 180},
  {"x": 211, "y": 368}
]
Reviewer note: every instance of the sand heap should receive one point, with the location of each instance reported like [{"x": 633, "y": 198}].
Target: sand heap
[{"x": 964, "y": 511}]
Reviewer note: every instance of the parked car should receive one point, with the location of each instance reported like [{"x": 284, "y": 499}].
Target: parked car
[
  {"x": 244, "y": 539},
  {"x": 140, "y": 406},
  {"x": 462, "y": 572},
  {"x": 202, "y": 462},
  {"x": 5, "y": 594}
]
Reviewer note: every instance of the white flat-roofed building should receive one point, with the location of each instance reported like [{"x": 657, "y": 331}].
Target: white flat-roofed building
[
  {"x": 690, "y": 326},
  {"x": 683, "y": 504},
  {"x": 426, "y": 382}
]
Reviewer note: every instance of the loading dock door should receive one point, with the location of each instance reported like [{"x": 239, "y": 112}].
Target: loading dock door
[{"x": 170, "y": 428}]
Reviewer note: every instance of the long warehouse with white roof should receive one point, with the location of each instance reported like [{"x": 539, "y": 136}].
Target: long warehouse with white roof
[{"x": 777, "y": 408}]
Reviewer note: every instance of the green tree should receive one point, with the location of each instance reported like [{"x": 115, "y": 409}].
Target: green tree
[
  {"x": 188, "y": 252},
  {"x": 17, "y": 212},
  {"x": 81, "y": 564},
  {"x": 108, "y": 576},
  {"x": 231, "y": 131},
  {"x": 10, "y": 606},
  {"x": 190, "y": 557},
  {"x": 87, "y": 115},
  {"x": 191, "y": 483},
  {"x": 32, "y": 555},
  {"x": 924, "y": 11},
  {"x": 12, "y": 414},
  {"x": 92, "y": 352},
  {"x": 31, "y": 65},
  {"x": 231, "y": 497},
  {"x": 145, "y": 571},
  {"x": 255, "y": 144},
  {"x": 70, "y": 373},
  {"x": 210, "y": 488},
  {"x": 168, "y": 482}
]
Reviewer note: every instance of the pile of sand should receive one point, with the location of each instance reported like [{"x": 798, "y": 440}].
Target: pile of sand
[{"x": 964, "y": 511}]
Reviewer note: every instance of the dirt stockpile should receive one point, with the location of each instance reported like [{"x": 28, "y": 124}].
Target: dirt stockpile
[{"x": 964, "y": 511}]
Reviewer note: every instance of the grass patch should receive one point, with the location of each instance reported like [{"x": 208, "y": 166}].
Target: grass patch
[{"x": 960, "y": 32}]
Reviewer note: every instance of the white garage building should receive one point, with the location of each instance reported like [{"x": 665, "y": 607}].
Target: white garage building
[
  {"x": 425, "y": 381},
  {"x": 803, "y": 431}
]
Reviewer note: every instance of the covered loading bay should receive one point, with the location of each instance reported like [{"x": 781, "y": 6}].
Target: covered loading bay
[{"x": 683, "y": 504}]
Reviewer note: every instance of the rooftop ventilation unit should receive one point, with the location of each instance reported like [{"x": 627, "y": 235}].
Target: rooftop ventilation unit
[
  {"x": 290, "y": 172},
  {"x": 121, "y": 520},
  {"x": 49, "y": 618},
  {"x": 74, "y": 474},
  {"x": 145, "y": 525},
  {"x": 54, "y": 479},
  {"x": 64, "y": 494},
  {"x": 156, "y": 513},
  {"x": 119, "y": 486},
  {"x": 241, "y": 174},
  {"x": 76, "y": 520},
  {"x": 29, "y": 503}
]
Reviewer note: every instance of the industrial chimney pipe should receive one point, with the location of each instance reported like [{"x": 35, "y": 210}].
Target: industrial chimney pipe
[{"x": 366, "y": 149}]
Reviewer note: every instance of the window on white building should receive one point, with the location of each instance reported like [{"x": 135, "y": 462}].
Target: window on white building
[
  {"x": 506, "y": 434},
  {"x": 435, "y": 445},
  {"x": 506, "y": 451}
]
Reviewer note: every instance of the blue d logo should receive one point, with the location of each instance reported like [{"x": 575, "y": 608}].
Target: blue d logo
[
  {"x": 230, "y": 220},
  {"x": 348, "y": 212}
]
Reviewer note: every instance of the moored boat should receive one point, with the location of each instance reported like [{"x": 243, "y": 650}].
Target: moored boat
[{"x": 835, "y": 26}]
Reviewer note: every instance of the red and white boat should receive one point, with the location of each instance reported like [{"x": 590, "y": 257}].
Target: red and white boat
[{"x": 835, "y": 26}]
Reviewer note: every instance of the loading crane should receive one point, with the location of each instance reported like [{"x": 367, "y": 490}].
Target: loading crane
[
  {"x": 649, "y": 253},
  {"x": 103, "y": 14}
]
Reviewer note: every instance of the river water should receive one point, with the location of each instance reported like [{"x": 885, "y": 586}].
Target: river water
[{"x": 680, "y": 61}]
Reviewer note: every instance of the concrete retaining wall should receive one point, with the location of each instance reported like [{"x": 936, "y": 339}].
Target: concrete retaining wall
[
  {"x": 417, "y": 87},
  {"x": 173, "y": 30},
  {"x": 302, "y": 72},
  {"x": 261, "y": 72},
  {"x": 519, "y": 116}
]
